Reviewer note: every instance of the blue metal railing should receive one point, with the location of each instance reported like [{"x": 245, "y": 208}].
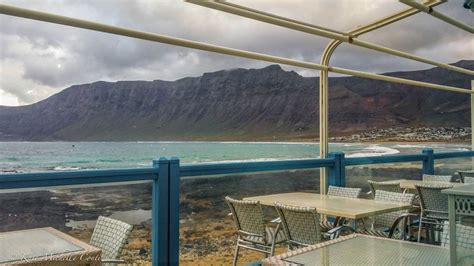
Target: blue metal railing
[{"x": 166, "y": 172}]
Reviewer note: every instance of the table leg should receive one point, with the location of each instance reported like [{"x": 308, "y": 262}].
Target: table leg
[{"x": 452, "y": 230}]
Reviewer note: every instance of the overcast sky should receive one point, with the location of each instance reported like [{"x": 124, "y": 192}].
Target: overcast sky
[{"x": 39, "y": 59}]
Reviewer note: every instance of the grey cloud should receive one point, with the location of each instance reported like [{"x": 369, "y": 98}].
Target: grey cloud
[{"x": 39, "y": 48}]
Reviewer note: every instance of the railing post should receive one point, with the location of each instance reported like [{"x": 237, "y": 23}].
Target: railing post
[
  {"x": 337, "y": 173},
  {"x": 165, "y": 212},
  {"x": 160, "y": 214},
  {"x": 428, "y": 162},
  {"x": 174, "y": 211}
]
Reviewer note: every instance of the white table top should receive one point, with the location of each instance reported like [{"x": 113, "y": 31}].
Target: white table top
[
  {"x": 466, "y": 190},
  {"x": 365, "y": 250},
  {"x": 331, "y": 205},
  {"x": 410, "y": 184}
]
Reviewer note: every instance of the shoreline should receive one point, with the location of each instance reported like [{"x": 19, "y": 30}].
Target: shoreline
[
  {"x": 371, "y": 135},
  {"x": 292, "y": 141}
]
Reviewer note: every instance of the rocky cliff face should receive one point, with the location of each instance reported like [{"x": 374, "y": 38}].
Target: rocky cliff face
[{"x": 240, "y": 104}]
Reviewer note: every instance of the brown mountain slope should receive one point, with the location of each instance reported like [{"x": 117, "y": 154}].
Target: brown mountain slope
[{"x": 236, "y": 104}]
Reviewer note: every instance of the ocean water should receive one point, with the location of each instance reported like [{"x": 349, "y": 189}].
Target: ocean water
[{"x": 54, "y": 156}]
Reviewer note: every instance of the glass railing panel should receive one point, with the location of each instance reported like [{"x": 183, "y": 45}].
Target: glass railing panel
[
  {"x": 208, "y": 233},
  {"x": 452, "y": 165},
  {"x": 74, "y": 210},
  {"x": 358, "y": 175}
]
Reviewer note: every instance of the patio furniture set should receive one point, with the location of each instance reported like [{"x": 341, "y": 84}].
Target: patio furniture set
[{"x": 378, "y": 227}]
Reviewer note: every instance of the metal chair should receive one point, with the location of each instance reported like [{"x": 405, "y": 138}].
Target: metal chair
[
  {"x": 464, "y": 236},
  {"x": 300, "y": 225},
  {"x": 110, "y": 236},
  {"x": 434, "y": 208},
  {"x": 391, "y": 224},
  {"x": 468, "y": 180},
  {"x": 345, "y": 192},
  {"x": 466, "y": 176},
  {"x": 251, "y": 230},
  {"x": 438, "y": 178},
  {"x": 390, "y": 186}
]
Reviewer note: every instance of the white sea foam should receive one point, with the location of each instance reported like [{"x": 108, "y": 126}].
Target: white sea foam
[
  {"x": 253, "y": 160},
  {"x": 233, "y": 142},
  {"x": 460, "y": 149},
  {"x": 375, "y": 150},
  {"x": 265, "y": 142},
  {"x": 66, "y": 168},
  {"x": 410, "y": 146}
]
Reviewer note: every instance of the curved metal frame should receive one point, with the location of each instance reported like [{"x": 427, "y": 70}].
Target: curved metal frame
[
  {"x": 338, "y": 38},
  {"x": 324, "y": 79}
]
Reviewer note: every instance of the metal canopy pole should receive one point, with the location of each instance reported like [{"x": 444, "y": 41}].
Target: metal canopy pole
[
  {"x": 429, "y": 10},
  {"x": 324, "y": 81},
  {"x": 316, "y": 30}
]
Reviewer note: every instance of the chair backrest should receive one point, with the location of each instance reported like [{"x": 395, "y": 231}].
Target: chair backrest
[
  {"x": 468, "y": 180},
  {"x": 433, "y": 202},
  {"x": 390, "y": 186},
  {"x": 346, "y": 192},
  {"x": 300, "y": 224},
  {"x": 463, "y": 174},
  {"x": 438, "y": 178},
  {"x": 464, "y": 236},
  {"x": 248, "y": 217},
  {"x": 387, "y": 219},
  {"x": 110, "y": 236}
]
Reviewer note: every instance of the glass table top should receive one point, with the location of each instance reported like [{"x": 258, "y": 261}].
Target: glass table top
[
  {"x": 375, "y": 251},
  {"x": 28, "y": 244},
  {"x": 466, "y": 190}
]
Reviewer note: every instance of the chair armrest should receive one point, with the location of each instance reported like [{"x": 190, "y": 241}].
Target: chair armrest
[
  {"x": 276, "y": 220},
  {"x": 112, "y": 261},
  {"x": 371, "y": 194},
  {"x": 334, "y": 233},
  {"x": 398, "y": 220}
]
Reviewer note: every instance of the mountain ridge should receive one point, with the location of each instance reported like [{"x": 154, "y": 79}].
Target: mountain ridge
[{"x": 238, "y": 104}]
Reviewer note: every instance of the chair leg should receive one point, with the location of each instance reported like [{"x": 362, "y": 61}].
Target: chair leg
[
  {"x": 419, "y": 228},
  {"x": 430, "y": 234},
  {"x": 272, "y": 249},
  {"x": 236, "y": 254}
]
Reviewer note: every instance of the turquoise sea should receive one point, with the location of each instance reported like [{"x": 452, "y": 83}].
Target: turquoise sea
[{"x": 47, "y": 156}]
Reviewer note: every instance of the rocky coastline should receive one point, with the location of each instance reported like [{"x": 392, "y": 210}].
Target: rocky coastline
[{"x": 408, "y": 134}]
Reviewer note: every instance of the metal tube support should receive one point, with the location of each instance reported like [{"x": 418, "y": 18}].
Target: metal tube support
[
  {"x": 323, "y": 128},
  {"x": 436, "y": 14},
  {"x": 452, "y": 230},
  {"x": 472, "y": 122}
]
